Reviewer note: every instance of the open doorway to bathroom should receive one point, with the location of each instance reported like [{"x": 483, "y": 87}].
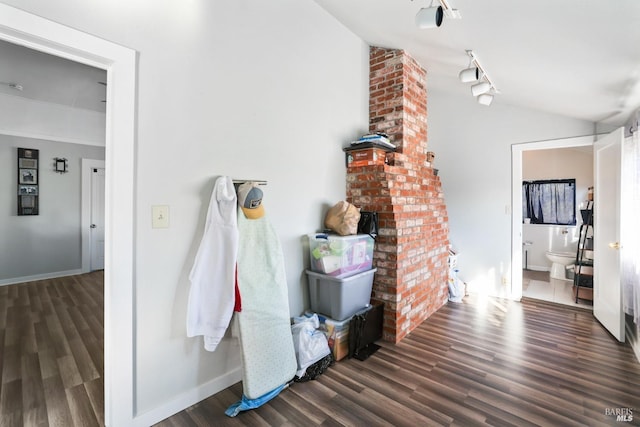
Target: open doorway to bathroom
[
  {"x": 550, "y": 249},
  {"x": 535, "y": 245}
]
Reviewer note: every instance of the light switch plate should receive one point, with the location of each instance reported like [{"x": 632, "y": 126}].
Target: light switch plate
[{"x": 160, "y": 216}]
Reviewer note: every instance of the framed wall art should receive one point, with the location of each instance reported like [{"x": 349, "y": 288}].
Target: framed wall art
[
  {"x": 28, "y": 176},
  {"x": 28, "y": 191}
]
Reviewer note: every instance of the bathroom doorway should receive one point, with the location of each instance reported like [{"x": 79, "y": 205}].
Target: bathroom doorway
[
  {"x": 554, "y": 159},
  {"x": 565, "y": 176}
]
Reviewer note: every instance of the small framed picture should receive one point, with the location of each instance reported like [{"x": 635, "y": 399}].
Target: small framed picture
[
  {"x": 28, "y": 201},
  {"x": 28, "y": 176},
  {"x": 27, "y": 163},
  {"x": 28, "y": 205},
  {"x": 28, "y": 190}
]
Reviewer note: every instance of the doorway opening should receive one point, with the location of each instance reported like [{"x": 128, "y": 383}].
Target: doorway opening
[
  {"x": 92, "y": 215},
  {"x": 555, "y": 189},
  {"x": 25, "y": 29},
  {"x": 545, "y": 235}
]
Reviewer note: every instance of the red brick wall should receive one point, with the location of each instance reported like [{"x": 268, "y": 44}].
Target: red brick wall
[{"x": 412, "y": 247}]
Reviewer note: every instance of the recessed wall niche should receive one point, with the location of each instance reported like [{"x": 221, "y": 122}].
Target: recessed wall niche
[{"x": 28, "y": 181}]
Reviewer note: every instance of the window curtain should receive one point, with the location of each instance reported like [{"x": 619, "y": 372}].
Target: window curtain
[
  {"x": 549, "y": 201},
  {"x": 630, "y": 222}
]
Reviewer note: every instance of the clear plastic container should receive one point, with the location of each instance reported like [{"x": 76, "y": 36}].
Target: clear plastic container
[{"x": 340, "y": 256}]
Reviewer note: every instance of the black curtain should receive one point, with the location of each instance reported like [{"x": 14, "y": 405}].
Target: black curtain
[{"x": 551, "y": 201}]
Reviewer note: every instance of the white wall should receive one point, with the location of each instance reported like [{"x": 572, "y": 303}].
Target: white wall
[
  {"x": 47, "y": 244},
  {"x": 473, "y": 153},
  {"x": 562, "y": 163},
  {"x": 262, "y": 90}
]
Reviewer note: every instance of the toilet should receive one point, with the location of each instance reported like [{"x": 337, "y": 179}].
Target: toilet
[{"x": 560, "y": 262}]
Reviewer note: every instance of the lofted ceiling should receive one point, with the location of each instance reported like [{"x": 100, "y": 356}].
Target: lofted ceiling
[
  {"x": 575, "y": 58},
  {"x": 48, "y": 78}
]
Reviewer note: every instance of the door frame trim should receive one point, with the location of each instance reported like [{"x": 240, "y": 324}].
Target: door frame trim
[
  {"x": 85, "y": 220},
  {"x": 516, "y": 199},
  {"x": 32, "y": 31}
]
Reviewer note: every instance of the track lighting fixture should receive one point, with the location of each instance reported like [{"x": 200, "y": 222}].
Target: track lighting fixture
[
  {"x": 470, "y": 74},
  {"x": 485, "y": 89},
  {"x": 16, "y": 86},
  {"x": 431, "y": 17},
  {"x": 480, "y": 88},
  {"x": 485, "y": 99}
]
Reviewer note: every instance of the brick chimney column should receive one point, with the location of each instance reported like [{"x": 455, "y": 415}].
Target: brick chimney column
[{"x": 412, "y": 247}]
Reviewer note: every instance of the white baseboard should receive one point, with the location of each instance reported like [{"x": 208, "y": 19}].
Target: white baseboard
[
  {"x": 538, "y": 268},
  {"x": 187, "y": 399},
  {"x": 44, "y": 276}
]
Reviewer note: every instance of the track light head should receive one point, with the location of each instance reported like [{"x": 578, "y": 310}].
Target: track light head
[
  {"x": 484, "y": 89},
  {"x": 16, "y": 86},
  {"x": 429, "y": 17},
  {"x": 485, "y": 99},
  {"x": 480, "y": 88},
  {"x": 469, "y": 75}
]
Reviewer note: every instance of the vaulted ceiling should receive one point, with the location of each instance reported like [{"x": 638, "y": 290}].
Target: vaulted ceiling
[
  {"x": 47, "y": 78},
  {"x": 576, "y": 58}
]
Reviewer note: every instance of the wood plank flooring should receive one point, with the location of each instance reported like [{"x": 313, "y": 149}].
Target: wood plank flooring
[
  {"x": 481, "y": 362},
  {"x": 51, "y": 352}
]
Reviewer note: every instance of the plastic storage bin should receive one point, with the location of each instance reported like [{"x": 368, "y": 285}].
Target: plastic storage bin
[
  {"x": 337, "y": 333},
  {"x": 340, "y": 298},
  {"x": 340, "y": 256}
]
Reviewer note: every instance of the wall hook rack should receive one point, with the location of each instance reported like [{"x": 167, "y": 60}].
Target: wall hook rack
[{"x": 242, "y": 181}]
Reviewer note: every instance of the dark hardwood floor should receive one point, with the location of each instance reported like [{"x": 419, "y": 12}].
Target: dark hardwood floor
[
  {"x": 481, "y": 362},
  {"x": 51, "y": 352}
]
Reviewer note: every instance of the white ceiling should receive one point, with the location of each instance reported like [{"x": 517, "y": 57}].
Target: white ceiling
[
  {"x": 48, "y": 78},
  {"x": 576, "y": 58}
]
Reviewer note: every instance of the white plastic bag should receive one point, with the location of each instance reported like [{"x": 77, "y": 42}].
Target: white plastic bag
[
  {"x": 310, "y": 343},
  {"x": 456, "y": 287}
]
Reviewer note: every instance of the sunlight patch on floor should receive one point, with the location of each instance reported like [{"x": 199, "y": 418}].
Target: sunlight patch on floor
[{"x": 558, "y": 291}]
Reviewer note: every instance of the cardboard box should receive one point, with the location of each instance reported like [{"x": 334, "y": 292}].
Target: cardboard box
[
  {"x": 366, "y": 157},
  {"x": 338, "y": 337},
  {"x": 337, "y": 333},
  {"x": 340, "y": 345}
]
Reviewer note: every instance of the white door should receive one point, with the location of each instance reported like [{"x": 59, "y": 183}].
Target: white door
[
  {"x": 607, "y": 292},
  {"x": 97, "y": 219}
]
